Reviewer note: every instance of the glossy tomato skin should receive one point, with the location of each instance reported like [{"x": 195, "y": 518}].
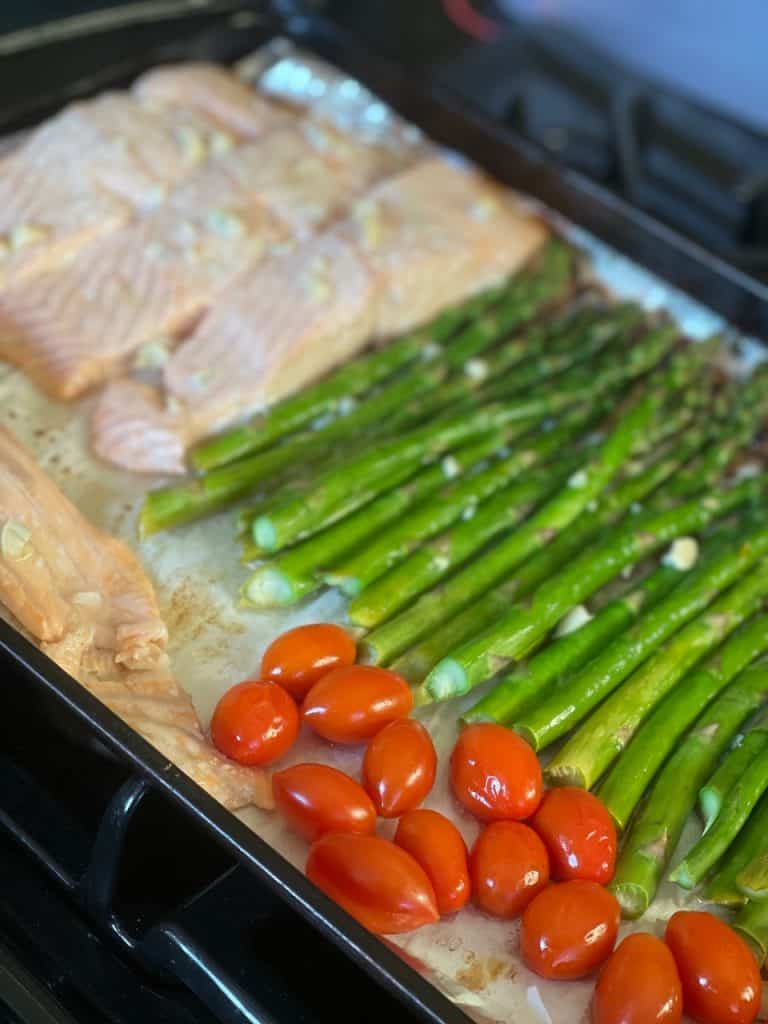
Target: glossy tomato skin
[
  {"x": 300, "y": 657},
  {"x": 315, "y": 799},
  {"x": 638, "y": 985},
  {"x": 495, "y": 774},
  {"x": 569, "y": 929},
  {"x": 399, "y": 767},
  {"x": 255, "y": 723},
  {"x": 578, "y": 833},
  {"x": 350, "y": 705},
  {"x": 438, "y": 846},
  {"x": 375, "y": 881},
  {"x": 719, "y": 974},
  {"x": 508, "y": 867}
]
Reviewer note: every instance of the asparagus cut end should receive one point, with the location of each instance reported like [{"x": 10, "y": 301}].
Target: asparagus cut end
[
  {"x": 447, "y": 679},
  {"x": 369, "y": 653},
  {"x": 350, "y": 586},
  {"x": 474, "y": 717},
  {"x": 264, "y": 533},
  {"x": 421, "y": 697},
  {"x": 268, "y": 588},
  {"x": 527, "y": 734},
  {"x": 410, "y": 667},
  {"x": 709, "y": 804},
  {"x": 682, "y": 876},
  {"x": 632, "y": 898}
]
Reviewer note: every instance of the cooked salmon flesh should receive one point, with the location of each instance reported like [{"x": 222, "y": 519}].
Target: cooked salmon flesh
[{"x": 84, "y": 598}]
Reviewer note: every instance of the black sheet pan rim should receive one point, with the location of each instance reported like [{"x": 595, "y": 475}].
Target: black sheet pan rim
[{"x": 745, "y": 302}]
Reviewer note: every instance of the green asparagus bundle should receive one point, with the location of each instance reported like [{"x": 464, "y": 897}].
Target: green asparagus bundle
[
  {"x": 602, "y": 738},
  {"x": 731, "y": 769},
  {"x": 622, "y": 789},
  {"x": 556, "y": 716},
  {"x": 656, "y": 830},
  {"x": 556, "y": 514},
  {"x": 522, "y": 627},
  {"x": 519, "y": 690}
]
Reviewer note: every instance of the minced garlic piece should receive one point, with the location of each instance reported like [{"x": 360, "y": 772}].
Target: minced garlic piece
[
  {"x": 225, "y": 223},
  {"x": 27, "y": 234},
  {"x": 152, "y": 355},
  {"x": 221, "y": 142},
  {"x": 573, "y": 620},
  {"x": 14, "y": 541},
  {"x": 578, "y": 480},
  {"x": 87, "y": 598},
  {"x": 683, "y": 554},
  {"x": 450, "y": 467},
  {"x": 476, "y": 369},
  {"x": 192, "y": 144}
]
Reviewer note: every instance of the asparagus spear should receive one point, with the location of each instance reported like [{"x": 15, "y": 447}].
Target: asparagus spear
[
  {"x": 395, "y": 636},
  {"x": 633, "y": 772},
  {"x": 600, "y": 740},
  {"x": 522, "y": 627},
  {"x": 742, "y": 800},
  {"x": 518, "y": 691},
  {"x": 753, "y": 879},
  {"x": 572, "y": 703},
  {"x": 722, "y": 886},
  {"x": 730, "y": 771},
  {"x": 656, "y": 830},
  {"x": 752, "y": 924}
]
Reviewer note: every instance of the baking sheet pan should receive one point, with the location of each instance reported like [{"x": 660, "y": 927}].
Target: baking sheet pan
[{"x": 214, "y": 643}]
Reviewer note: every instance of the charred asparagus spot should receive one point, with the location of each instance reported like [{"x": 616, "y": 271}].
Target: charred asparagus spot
[{"x": 655, "y": 831}]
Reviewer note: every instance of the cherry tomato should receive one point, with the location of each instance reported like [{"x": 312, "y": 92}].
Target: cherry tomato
[
  {"x": 399, "y": 767},
  {"x": 721, "y": 981},
  {"x": 638, "y": 985},
  {"x": 315, "y": 799},
  {"x": 350, "y": 705},
  {"x": 508, "y": 866},
  {"x": 298, "y": 658},
  {"x": 569, "y": 929},
  {"x": 436, "y": 843},
  {"x": 255, "y": 723},
  {"x": 578, "y": 833},
  {"x": 495, "y": 774},
  {"x": 373, "y": 880}
]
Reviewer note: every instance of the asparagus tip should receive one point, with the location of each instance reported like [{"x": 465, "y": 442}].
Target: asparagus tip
[
  {"x": 268, "y": 587},
  {"x": 681, "y": 876},
  {"x": 264, "y": 533},
  {"x": 447, "y": 679},
  {"x": 632, "y": 899}
]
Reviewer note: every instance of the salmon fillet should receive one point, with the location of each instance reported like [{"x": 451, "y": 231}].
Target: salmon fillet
[
  {"x": 429, "y": 237},
  {"x": 435, "y": 234},
  {"x": 278, "y": 327},
  {"x": 84, "y": 598},
  {"x": 72, "y": 327},
  {"x": 89, "y": 170},
  {"x": 211, "y": 90}
]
